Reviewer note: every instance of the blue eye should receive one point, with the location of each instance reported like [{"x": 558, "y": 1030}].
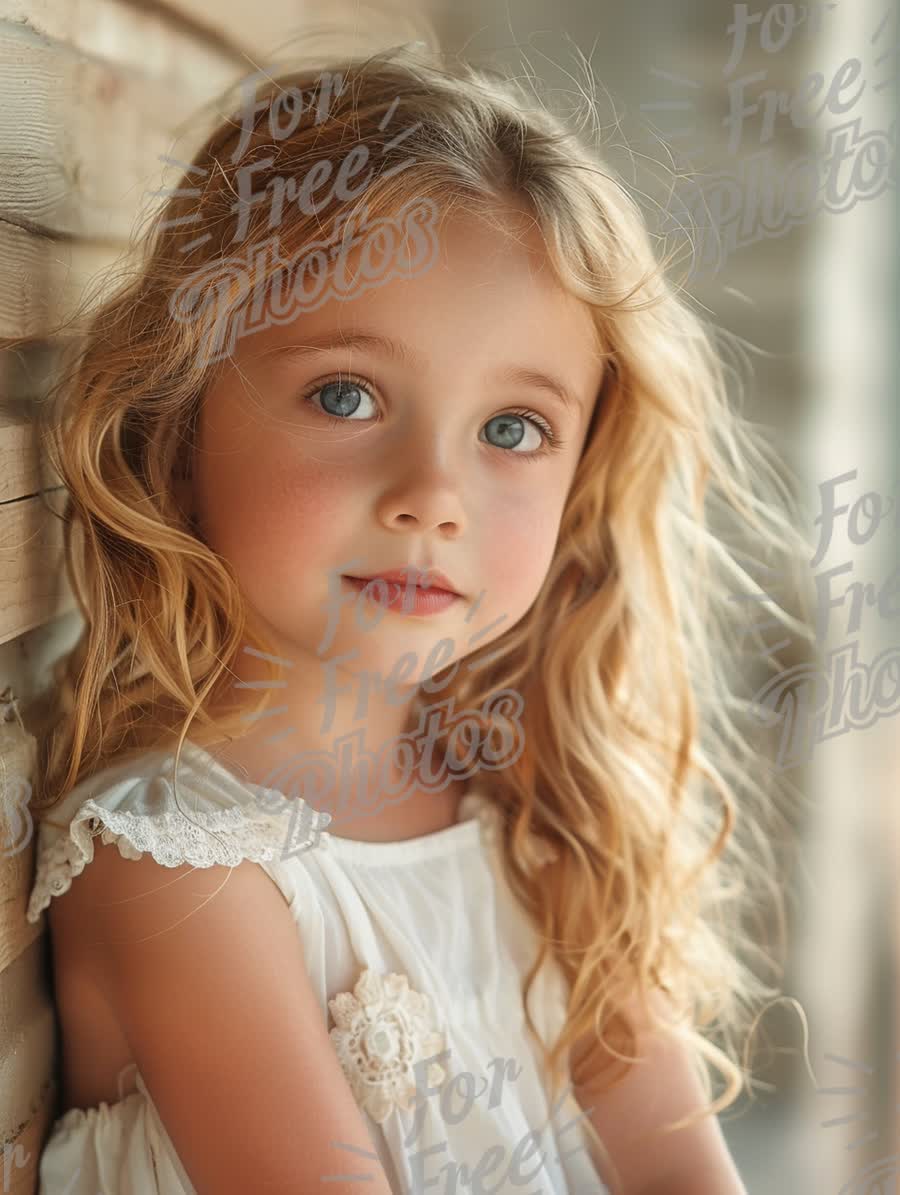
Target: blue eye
[
  {"x": 344, "y": 396},
  {"x": 341, "y": 397},
  {"x": 510, "y": 430}
]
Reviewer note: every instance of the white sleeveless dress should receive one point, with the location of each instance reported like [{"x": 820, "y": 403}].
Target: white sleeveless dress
[{"x": 416, "y": 950}]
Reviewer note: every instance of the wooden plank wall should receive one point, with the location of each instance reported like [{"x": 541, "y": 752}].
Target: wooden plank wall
[{"x": 91, "y": 93}]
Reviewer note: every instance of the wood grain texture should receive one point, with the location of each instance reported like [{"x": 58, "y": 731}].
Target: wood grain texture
[
  {"x": 27, "y": 1015},
  {"x": 21, "y": 1150},
  {"x": 17, "y": 841},
  {"x": 71, "y": 199},
  {"x": 60, "y": 177},
  {"x": 23, "y": 471},
  {"x": 136, "y": 33},
  {"x": 33, "y": 585}
]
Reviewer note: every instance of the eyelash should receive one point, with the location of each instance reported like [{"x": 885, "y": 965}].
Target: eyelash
[{"x": 552, "y": 440}]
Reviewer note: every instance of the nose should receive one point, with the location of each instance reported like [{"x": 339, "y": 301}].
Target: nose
[{"x": 427, "y": 498}]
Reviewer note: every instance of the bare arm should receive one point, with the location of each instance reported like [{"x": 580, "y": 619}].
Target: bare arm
[
  {"x": 661, "y": 1089},
  {"x": 205, "y": 972}
]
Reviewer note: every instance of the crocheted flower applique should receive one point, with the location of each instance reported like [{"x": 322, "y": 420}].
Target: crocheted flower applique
[{"x": 382, "y": 1029}]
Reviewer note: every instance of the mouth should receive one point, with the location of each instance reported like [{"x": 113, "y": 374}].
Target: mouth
[
  {"x": 402, "y": 598},
  {"x": 415, "y": 580}
]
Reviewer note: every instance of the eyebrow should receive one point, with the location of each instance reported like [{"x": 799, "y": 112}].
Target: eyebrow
[{"x": 396, "y": 350}]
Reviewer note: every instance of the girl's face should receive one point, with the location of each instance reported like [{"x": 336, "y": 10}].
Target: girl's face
[{"x": 433, "y": 450}]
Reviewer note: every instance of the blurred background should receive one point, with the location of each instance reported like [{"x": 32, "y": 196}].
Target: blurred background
[{"x": 761, "y": 110}]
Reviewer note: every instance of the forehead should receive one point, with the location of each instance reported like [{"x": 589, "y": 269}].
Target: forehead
[{"x": 488, "y": 289}]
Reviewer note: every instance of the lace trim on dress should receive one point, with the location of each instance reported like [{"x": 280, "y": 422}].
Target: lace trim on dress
[
  {"x": 221, "y": 837},
  {"x": 259, "y": 832}
]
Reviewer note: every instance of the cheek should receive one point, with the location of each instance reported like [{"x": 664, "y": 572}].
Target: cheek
[
  {"x": 269, "y": 514},
  {"x": 277, "y": 533},
  {"x": 313, "y": 506},
  {"x": 518, "y": 540}
]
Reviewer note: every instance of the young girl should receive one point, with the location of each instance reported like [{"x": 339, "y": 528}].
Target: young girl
[{"x": 376, "y": 835}]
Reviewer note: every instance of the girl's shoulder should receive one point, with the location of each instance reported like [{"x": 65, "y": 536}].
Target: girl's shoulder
[{"x": 198, "y": 814}]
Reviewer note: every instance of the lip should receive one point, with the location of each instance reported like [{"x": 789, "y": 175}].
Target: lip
[
  {"x": 412, "y": 601},
  {"x": 436, "y": 581}
]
